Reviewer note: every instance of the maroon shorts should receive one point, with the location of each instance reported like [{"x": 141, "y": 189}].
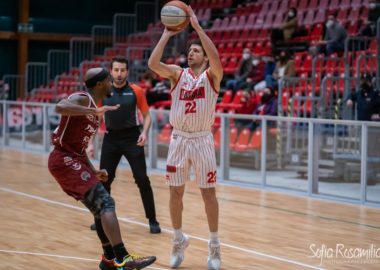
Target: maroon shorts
[{"x": 72, "y": 172}]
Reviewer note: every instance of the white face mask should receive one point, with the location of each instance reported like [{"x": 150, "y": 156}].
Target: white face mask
[
  {"x": 246, "y": 56},
  {"x": 372, "y": 5},
  {"x": 255, "y": 62},
  {"x": 329, "y": 23},
  {"x": 290, "y": 13}
]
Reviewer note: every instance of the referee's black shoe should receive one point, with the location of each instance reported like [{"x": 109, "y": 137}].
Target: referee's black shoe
[{"x": 154, "y": 226}]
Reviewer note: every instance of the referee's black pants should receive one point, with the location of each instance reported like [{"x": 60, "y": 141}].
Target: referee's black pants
[{"x": 124, "y": 143}]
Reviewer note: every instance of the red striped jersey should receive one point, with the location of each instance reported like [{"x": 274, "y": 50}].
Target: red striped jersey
[
  {"x": 193, "y": 102},
  {"x": 74, "y": 132}
]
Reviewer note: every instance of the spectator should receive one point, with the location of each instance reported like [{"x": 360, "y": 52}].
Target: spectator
[
  {"x": 367, "y": 100},
  {"x": 249, "y": 103},
  {"x": 160, "y": 92},
  {"x": 268, "y": 106},
  {"x": 369, "y": 27},
  {"x": 241, "y": 74},
  {"x": 287, "y": 29},
  {"x": 148, "y": 80},
  {"x": 269, "y": 68},
  {"x": 257, "y": 73},
  {"x": 284, "y": 68},
  {"x": 335, "y": 36}
]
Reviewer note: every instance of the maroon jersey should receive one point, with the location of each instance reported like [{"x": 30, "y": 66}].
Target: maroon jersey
[
  {"x": 74, "y": 132},
  {"x": 68, "y": 161}
]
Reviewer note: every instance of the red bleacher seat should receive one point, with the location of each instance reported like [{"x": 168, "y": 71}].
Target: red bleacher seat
[
  {"x": 345, "y": 4},
  {"x": 164, "y": 135},
  {"x": 334, "y": 4},
  {"x": 233, "y": 136},
  {"x": 342, "y": 15},
  {"x": 231, "y": 66},
  {"x": 242, "y": 141},
  {"x": 255, "y": 141},
  {"x": 278, "y": 20},
  {"x": 309, "y": 18},
  {"x": 241, "y": 23},
  {"x": 217, "y": 138},
  {"x": 250, "y": 23},
  {"x": 236, "y": 102},
  {"x": 284, "y": 6},
  {"x": 226, "y": 99}
]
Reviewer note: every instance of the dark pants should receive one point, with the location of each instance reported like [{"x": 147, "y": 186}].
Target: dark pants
[{"x": 123, "y": 143}]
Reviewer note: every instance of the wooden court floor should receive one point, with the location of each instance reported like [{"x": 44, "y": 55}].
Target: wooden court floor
[{"x": 43, "y": 228}]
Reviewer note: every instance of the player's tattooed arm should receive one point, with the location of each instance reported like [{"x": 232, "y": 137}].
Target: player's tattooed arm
[{"x": 79, "y": 105}]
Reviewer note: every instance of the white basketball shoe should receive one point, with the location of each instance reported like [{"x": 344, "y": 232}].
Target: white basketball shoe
[
  {"x": 178, "y": 251},
  {"x": 214, "y": 258}
]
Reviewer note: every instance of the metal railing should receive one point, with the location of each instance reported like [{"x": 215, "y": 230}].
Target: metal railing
[
  {"x": 138, "y": 60},
  {"x": 348, "y": 146},
  {"x": 80, "y": 50},
  {"x": 58, "y": 62},
  {"x": 36, "y": 75},
  {"x": 123, "y": 25},
  {"x": 146, "y": 13},
  {"x": 102, "y": 37}
]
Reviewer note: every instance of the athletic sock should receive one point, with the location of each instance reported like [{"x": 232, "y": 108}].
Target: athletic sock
[
  {"x": 178, "y": 234},
  {"x": 108, "y": 252},
  {"x": 214, "y": 237},
  {"x": 120, "y": 252}
]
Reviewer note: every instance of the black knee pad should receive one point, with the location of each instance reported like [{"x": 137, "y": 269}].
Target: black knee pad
[{"x": 98, "y": 201}]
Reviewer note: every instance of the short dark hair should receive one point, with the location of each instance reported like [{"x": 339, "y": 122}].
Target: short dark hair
[
  {"x": 119, "y": 59},
  {"x": 199, "y": 43}
]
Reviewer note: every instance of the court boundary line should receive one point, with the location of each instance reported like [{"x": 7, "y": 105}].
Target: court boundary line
[
  {"x": 244, "y": 185},
  {"x": 257, "y": 253},
  {"x": 60, "y": 256}
]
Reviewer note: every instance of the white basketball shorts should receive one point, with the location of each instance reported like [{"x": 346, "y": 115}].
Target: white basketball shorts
[{"x": 191, "y": 149}]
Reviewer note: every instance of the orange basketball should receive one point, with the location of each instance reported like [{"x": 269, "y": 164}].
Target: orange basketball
[{"x": 174, "y": 15}]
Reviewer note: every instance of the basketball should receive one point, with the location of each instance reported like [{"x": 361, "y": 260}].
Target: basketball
[{"x": 174, "y": 15}]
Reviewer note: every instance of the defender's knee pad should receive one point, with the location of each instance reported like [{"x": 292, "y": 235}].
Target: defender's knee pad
[{"x": 99, "y": 201}]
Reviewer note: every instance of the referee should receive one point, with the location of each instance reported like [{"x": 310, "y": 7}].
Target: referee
[{"x": 123, "y": 136}]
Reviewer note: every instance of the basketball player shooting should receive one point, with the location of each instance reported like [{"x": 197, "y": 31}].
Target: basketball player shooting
[{"x": 194, "y": 94}]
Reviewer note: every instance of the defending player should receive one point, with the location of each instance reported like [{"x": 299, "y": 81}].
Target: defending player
[
  {"x": 69, "y": 165},
  {"x": 194, "y": 94}
]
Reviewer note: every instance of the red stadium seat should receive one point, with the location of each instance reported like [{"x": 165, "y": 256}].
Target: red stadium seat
[
  {"x": 255, "y": 141},
  {"x": 226, "y": 99},
  {"x": 217, "y": 138},
  {"x": 242, "y": 141},
  {"x": 233, "y": 136},
  {"x": 164, "y": 135}
]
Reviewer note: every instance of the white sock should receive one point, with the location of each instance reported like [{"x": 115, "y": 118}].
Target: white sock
[
  {"x": 178, "y": 234},
  {"x": 214, "y": 237}
]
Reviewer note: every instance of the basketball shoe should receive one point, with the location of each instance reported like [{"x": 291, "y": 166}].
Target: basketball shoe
[
  {"x": 134, "y": 262},
  {"x": 107, "y": 264},
  {"x": 213, "y": 260},
  {"x": 178, "y": 251}
]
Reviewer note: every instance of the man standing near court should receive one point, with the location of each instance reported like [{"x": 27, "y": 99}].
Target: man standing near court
[
  {"x": 194, "y": 94},
  {"x": 123, "y": 136}
]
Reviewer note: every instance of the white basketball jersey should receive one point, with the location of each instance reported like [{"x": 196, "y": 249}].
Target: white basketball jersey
[{"x": 193, "y": 102}]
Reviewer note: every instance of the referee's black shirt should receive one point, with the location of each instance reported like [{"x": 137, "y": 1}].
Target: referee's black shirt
[{"x": 131, "y": 99}]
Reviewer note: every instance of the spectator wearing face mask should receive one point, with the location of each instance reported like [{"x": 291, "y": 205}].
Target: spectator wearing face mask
[
  {"x": 335, "y": 36},
  {"x": 367, "y": 100},
  {"x": 284, "y": 68},
  {"x": 287, "y": 29},
  {"x": 268, "y": 106},
  {"x": 257, "y": 73},
  {"x": 241, "y": 74},
  {"x": 369, "y": 27}
]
